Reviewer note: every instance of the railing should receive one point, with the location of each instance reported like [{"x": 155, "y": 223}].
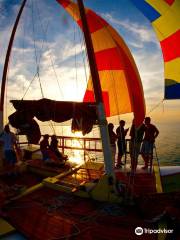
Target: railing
[
  {"x": 79, "y": 143},
  {"x": 75, "y": 143}
]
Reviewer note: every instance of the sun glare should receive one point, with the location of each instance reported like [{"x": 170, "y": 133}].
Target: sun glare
[{"x": 77, "y": 155}]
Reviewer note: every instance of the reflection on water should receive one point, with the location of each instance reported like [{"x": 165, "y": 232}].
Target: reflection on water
[
  {"x": 167, "y": 144},
  {"x": 76, "y": 155}
]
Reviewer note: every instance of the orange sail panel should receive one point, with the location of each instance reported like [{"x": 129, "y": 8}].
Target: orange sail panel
[{"x": 120, "y": 81}]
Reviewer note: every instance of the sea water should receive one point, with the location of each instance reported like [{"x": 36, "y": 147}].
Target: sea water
[{"x": 168, "y": 143}]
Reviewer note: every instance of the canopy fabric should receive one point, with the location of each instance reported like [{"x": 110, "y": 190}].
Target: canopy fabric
[
  {"x": 164, "y": 17},
  {"x": 120, "y": 81},
  {"x": 83, "y": 115}
]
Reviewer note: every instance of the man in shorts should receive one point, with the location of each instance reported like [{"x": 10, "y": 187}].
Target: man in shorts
[
  {"x": 151, "y": 133},
  {"x": 9, "y": 145},
  {"x": 136, "y": 135}
]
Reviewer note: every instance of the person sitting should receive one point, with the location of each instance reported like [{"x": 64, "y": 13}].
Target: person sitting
[
  {"x": 54, "y": 148},
  {"x": 44, "y": 147}
]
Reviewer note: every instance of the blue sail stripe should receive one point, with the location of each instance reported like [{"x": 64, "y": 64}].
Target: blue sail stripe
[
  {"x": 172, "y": 91},
  {"x": 146, "y": 9}
]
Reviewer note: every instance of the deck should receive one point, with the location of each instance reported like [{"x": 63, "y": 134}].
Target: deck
[{"x": 47, "y": 208}]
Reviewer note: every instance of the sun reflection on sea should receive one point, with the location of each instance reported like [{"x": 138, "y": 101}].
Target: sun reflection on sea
[{"x": 76, "y": 155}]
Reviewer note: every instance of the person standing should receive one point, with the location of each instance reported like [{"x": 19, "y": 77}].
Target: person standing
[
  {"x": 136, "y": 135},
  {"x": 151, "y": 133},
  {"x": 9, "y": 141},
  {"x": 112, "y": 138},
  {"x": 121, "y": 134}
]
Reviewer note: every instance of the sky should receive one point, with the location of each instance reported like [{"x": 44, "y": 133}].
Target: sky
[{"x": 48, "y": 39}]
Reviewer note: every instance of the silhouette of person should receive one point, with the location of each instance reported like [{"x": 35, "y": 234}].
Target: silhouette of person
[
  {"x": 112, "y": 138},
  {"x": 44, "y": 147},
  {"x": 136, "y": 135},
  {"x": 9, "y": 141},
  {"x": 121, "y": 133},
  {"x": 55, "y": 150},
  {"x": 151, "y": 133}
]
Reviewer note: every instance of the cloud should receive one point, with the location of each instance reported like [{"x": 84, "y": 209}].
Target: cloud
[
  {"x": 62, "y": 75},
  {"x": 57, "y": 72},
  {"x": 139, "y": 32},
  {"x": 151, "y": 69}
]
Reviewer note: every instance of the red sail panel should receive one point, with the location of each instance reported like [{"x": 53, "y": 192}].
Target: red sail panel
[
  {"x": 169, "y": 49},
  {"x": 120, "y": 81}
]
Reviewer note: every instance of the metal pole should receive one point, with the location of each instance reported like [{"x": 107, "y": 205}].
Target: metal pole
[
  {"x": 98, "y": 93},
  {"x": 6, "y": 63}
]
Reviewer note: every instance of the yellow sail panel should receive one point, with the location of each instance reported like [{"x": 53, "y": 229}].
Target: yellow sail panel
[
  {"x": 120, "y": 81},
  {"x": 164, "y": 16},
  {"x": 111, "y": 99}
]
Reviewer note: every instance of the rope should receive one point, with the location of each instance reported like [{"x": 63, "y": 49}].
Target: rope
[
  {"x": 35, "y": 49},
  {"x": 44, "y": 31},
  {"x": 156, "y": 106},
  {"x": 84, "y": 53},
  {"x": 29, "y": 86},
  {"x": 75, "y": 58}
]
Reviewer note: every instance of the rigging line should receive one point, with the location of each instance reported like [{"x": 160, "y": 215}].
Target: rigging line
[
  {"x": 84, "y": 56},
  {"x": 156, "y": 106},
  {"x": 29, "y": 86},
  {"x": 35, "y": 49},
  {"x": 75, "y": 58},
  {"x": 44, "y": 31},
  {"x": 38, "y": 64}
]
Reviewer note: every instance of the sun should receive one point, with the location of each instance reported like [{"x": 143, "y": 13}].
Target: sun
[{"x": 77, "y": 156}]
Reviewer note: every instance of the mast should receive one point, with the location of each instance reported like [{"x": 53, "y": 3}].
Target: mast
[
  {"x": 98, "y": 93},
  {"x": 6, "y": 63}
]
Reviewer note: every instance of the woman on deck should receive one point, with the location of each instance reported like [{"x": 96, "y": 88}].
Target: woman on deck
[
  {"x": 55, "y": 150},
  {"x": 44, "y": 147}
]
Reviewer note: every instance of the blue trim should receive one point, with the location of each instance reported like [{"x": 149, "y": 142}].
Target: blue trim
[
  {"x": 172, "y": 91},
  {"x": 146, "y": 9}
]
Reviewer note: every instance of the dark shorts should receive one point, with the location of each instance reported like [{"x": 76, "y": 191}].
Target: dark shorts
[
  {"x": 134, "y": 148},
  {"x": 147, "y": 147},
  {"x": 10, "y": 156},
  {"x": 121, "y": 147}
]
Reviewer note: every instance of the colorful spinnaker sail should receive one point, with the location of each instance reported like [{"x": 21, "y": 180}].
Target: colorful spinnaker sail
[
  {"x": 164, "y": 17},
  {"x": 120, "y": 81}
]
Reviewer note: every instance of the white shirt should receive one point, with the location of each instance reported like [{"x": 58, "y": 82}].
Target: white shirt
[{"x": 9, "y": 139}]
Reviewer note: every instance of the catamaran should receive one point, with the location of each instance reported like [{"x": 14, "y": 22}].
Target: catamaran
[{"x": 82, "y": 201}]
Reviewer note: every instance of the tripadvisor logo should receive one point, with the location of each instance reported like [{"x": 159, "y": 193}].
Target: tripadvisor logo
[{"x": 140, "y": 231}]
